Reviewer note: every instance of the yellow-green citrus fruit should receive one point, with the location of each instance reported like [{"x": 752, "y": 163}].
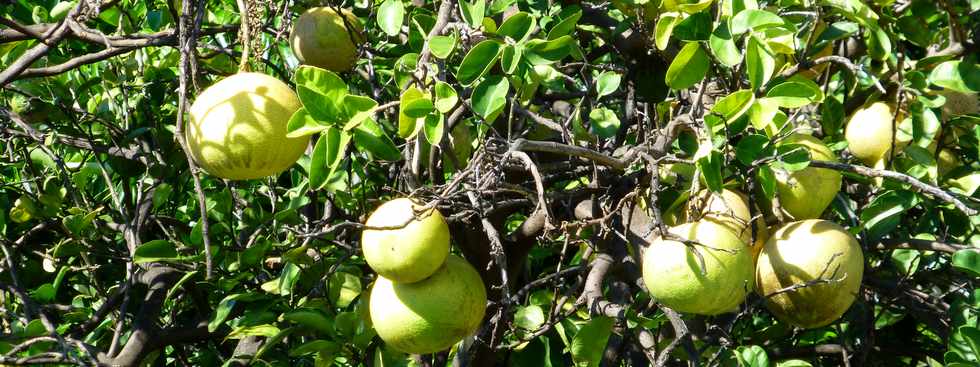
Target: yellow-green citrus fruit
[
  {"x": 730, "y": 208},
  {"x": 959, "y": 103},
  {"x": 412, "y": 245},
  {"x": 806, "y": 193},
  {"x": 816, "y": 252},
  {"x": 686, "y": 6},
  {"x": 674, "y": 275},
  {"x": 237, "y": 129},
  {"x": 869, "y": 133},
  {"x": 320, "y": 38},
  {"x": 430, "y": 315}
]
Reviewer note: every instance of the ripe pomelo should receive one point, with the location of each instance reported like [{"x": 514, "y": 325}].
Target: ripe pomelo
[
  {"x": 322, "y": 38},
  {"x": 432, "y": 314},
  {"x": 806, "y": 251},
  {"x": 806, "y": 193},
  {"x": 413, "y": 245},
  {"x": 869, "y": 134},
  {"x": 237, "y": 128},
  {"x": 729, "y": 208},
  {"x": 675, "y": 277}
]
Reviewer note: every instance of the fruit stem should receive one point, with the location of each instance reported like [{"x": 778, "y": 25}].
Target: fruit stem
[{"x": 246, "y": 35}]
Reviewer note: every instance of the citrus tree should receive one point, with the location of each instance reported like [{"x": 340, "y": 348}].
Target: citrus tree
[{"x": 590, "y": 183}]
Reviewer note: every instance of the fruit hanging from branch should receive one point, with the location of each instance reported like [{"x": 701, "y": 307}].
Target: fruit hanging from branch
[
  {"x": 323, "y": 38},
  {"x": 405, "y": 242},
  {"x": 237, "y": 129},
  {"x": 806, "y": 193},
  {"x": 810, "y": 272},
  {"x": 430, "y": 315}
]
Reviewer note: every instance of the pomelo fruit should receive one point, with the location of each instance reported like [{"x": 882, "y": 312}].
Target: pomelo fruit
[
  {"x": 806, "y": 193},
  {"x": 430, "y": 315},
  {"x": 321, "y": 38},
  {"x": 413, "y": 244},
  {"x": 237, "y": 128},
  {"x": 869, "y": 134},
  {"x": 806, "y": 251},
  {"x": 675, "y": 277}
]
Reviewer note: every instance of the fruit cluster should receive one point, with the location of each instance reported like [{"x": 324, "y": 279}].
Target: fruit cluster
[
  {"x": 808, "y": 271},
  {"x": 425, "y": 299}
]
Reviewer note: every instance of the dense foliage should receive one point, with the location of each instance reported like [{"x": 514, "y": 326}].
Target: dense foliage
[{"x": 554, "y": 136}]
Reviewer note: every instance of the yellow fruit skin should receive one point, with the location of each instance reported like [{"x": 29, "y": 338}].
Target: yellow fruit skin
[
  {"x": 947, "y": 161},
  {"x": 674, "y": 277},
  {"x": 237, "y": 128},
  {"x": 320, "y": 38},
  {"x": 730, "y": 208},
  {"x": 869, "y": 133},
  {"x": 800, "y": 252},
  {"x": 430, "y": 315},
  {"x": 410, "y": 253},
  {"x": 806, "y": 193}
]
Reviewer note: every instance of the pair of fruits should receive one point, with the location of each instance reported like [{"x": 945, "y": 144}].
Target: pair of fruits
[
  {"x": 238, "y": 125},
  {"x": 425, "y": 299},
  {"x": 809, "y": 270}
]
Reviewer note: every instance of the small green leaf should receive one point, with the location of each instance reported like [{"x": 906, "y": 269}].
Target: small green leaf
[
  {"x": 434, "y": 127},
  {"x": 710, "y": 166},
  {"x": 767, "y": 181},
  {"x": 490, "y": 96},
  {"x": 408, "y": 126},
  {"x": 794, "y": 94},
  {"x": 968, "y": 260},
  {"x": 324, "y": 108},
  {"x": 664, "y": 28},
  {"x": 604, "y": 122},
  {"x": 590, "y": 341},
  {"x": 369, "y": 137},
  {"x": 442, "y": 46},
  {"x": 316, "y": 346},
  {"x": 311, "y": 318},
  {"x": 752, "y": 147},
  {"x": 752, "y": 356},
  {"x": 565, "y": 26},
  {"x": 696, "y": 27},
  {"x": 327, "y": 155},
  {"x": 510, "y": 58},
  {"x": 257, "y": 330},
  {"x": 754, "y": 19},
  {"x": 689, "y": 66},
  {"x": 446, "y": 97},
  {"x": 529, "y": 318},
  {"x": 418, "y": 108},
  {"x": 607, "y": 83},
  {"x": 541, "y": 52},
  {"x": 155, "y": 251},
  {"x": 956, "y": 75},
  {"x": 517, "y": 26},
  {"x": 723, "y": 46},
  {"x": 473, "y": 12},
  {"x": 320, "y": 80},
  {"x": 759, "y": 63},
  {"x": 734, "y": 105},
  {"x": 302, "y": 124},
  {"x": 391, "y": 15},
  {"x": 478, "y": 61},
  {"x": 344, "y": 288}
]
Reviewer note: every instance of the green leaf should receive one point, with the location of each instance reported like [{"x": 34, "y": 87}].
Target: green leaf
[
  {"x": 604, "y": 122},
  {"x": 226, "y": 306},
  {"x": 302, "y": 124},
  {"x": 956, "y": 75},
  {"x": 791, "y": 157},
  {"x": 517, "y": 26},
  {"x": 565, "y": 26},
  {"x": 794, "y": 94},
  {"x": 541, "y": 52},
  {"x": 689, "y": 66},
  {"x": 884, "y": 213},
  {"x": 734, "y": 105},
  {"x": 879, "y": 44},
  {"x": 369, "y": 137},
  {"x": 391, "y": 15},
  {"x": 257, "y": 330},
  {"x": 510, "y": 57},
  {"x": 418, "y": 108},
  {"x": 752, "y": 356},
  {"x": 408, "y": 126},
  {"x": 664, "y": 28},
  {"x": 590, "y": 341},
  {"x": 311, "y": 318},
  {"x": 324, "y": 108},
  {"x": 356, "y": 109},
  {"x": 696, "y": 27},
  {"x": 723, "y": 46},
  {"x": 968, "y": 260},
  {"x": 710, "y": 166},
  {"x": 446, "y": 97},
  {"x": 434, "y": 127},
  {"x": 759, "y": 63},
  {"x": 473, "y": 12},
  {"x": 607, "y": 83},
  {"x": 752, "y": 147},
  {"x": 754, "y": 19},
  {"x": 327, "y": 155},
  {"x": 319, "y": 80},
  {"x": 442, "y": 46},
  {"x": 155, "y": 251},
  {"x": 478, "y": 61},
  {"x": 316, "y": 346},
  {"x": 767, "y": 181},
  {"x": 490, "y": 96},
  {"x": 344, "y": 288}
]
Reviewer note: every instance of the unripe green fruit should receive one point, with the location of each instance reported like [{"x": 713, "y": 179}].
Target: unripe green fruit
[
  {"x": 432, "y": 314},
  {"x": 674, "y": 275},
  {"x": 411, "y": 252},
  {"x": 237, "y": 129},
  {"x": 320, "y": 38},
  {"x": 806, "y": 193},
  {"x": 806, "y": 251}
]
